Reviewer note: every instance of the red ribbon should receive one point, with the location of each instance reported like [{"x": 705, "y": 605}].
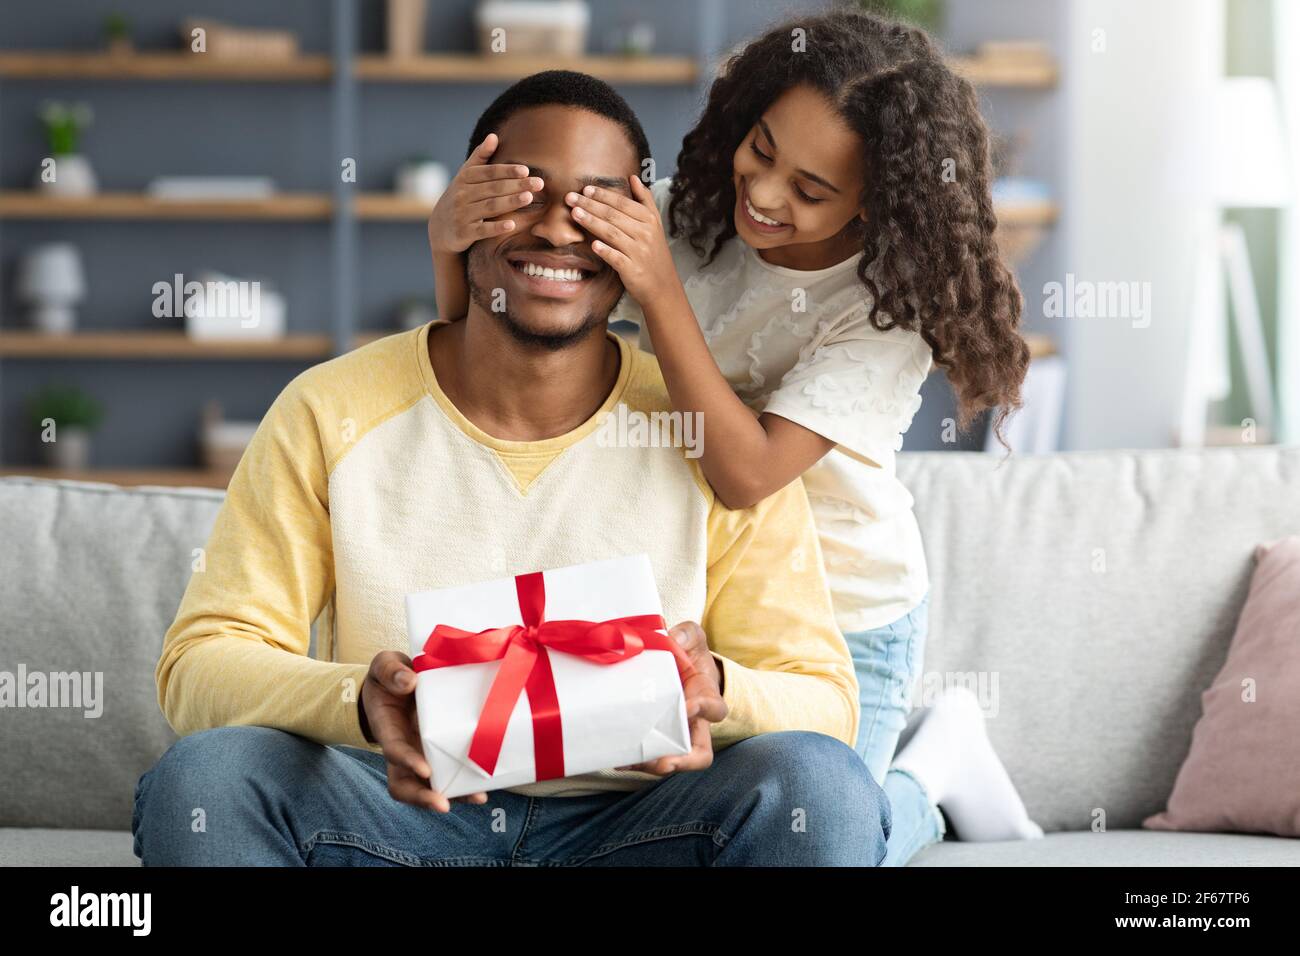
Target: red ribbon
[{"x": 523, "y": 652}]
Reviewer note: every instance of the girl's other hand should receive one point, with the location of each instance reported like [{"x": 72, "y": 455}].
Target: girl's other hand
[
  {"x": 629, "y": 236},
  {"x": 479, "y": 192}
]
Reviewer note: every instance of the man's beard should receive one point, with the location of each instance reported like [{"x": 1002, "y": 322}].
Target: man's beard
[{"x": 509, "y": 320}]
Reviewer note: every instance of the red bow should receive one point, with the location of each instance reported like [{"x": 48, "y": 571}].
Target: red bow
[{"x": 522, "y": 650}]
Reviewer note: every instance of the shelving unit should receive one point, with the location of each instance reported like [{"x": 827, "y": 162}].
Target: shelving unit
[
  {"x": 431, "y": 68},
  {"x": 301, "y": 207},
  {"x": 477, "y": 68},
  {"x": 341, "y": 72}
]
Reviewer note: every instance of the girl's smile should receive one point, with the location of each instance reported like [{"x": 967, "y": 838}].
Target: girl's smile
[{"x": 757, "y": 221}]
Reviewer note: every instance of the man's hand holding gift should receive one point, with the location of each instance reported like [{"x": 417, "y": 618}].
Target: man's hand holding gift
[
  {"x": 704, "y": 703},
  {"x": 388, "y": 718}
]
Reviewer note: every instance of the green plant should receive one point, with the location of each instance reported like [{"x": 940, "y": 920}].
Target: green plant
[
  {"x": 926, "y": 14},
  {"x": 67, "y": 405},
  {"x": 64, "y": 124},
  {"x": 117, "y": 27}
]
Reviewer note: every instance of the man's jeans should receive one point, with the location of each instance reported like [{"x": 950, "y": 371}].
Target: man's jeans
[{"x": 254, "y": 796}]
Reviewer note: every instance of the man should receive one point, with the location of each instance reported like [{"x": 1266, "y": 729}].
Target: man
[{"x": 467, "y": 451}]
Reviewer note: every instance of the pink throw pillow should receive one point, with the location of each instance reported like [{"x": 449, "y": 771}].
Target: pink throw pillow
[{"x": 1242, "y": 773}]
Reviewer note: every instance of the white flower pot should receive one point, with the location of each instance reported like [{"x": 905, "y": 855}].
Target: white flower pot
[
  {"x": 54, "y": 318},
  {"x": 73, "y": 176},
  {"x": 70, "y": 450},
  {"x": 422, "y": 181}
]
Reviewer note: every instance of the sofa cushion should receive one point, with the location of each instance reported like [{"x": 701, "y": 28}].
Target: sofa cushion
[
  {"x": 1090, "y": 597},
  {"x": 1118, "y": 848},
  {"x": 90, "y": 579},
  {"x": 1251, "y": 712},
  {"x": 39, "y": 847}
]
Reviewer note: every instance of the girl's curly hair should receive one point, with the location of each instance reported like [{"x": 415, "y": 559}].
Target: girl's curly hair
[{"x": 931, "y": 263}]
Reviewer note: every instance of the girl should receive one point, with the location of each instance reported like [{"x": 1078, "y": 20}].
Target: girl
[{"x": 828, "y": 234}]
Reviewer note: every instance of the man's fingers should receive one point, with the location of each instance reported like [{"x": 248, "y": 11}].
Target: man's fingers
[
  {"x": 399, "y": 752},
  {"x": 393, "y": 672},
  {"x": 408, "y": 788},
  {"x": 703, "y": 700}
]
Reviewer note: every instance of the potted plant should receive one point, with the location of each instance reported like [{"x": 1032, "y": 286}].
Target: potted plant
[
  {"x": 66, "y": 172},
  {"x": 65, "y": 417},
  {"x": 926, "y": 14},
  {"x": 117, "y": 31}
]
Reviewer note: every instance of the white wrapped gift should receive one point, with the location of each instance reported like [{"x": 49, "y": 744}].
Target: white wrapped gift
[{"x": 609, "y": 714}]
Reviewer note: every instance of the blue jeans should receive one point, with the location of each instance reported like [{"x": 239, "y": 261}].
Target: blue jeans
[
  {"x": 253, "y": 796},
  {"x": 886, "y": 660}
]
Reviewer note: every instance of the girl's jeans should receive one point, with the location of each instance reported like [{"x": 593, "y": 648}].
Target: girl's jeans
[{"x": 886, "y": 660}]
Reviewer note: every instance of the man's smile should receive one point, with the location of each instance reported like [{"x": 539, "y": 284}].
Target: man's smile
[{"x": 553, "y": 275}]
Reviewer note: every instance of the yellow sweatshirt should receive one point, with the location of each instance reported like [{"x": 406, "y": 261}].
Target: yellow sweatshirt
[{"x": 364, "y": 483}]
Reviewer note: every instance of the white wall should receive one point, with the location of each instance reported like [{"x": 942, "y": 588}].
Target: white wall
[
  {"x": 1286, "y": 18},
  {"x": 1135, "y": 205}
]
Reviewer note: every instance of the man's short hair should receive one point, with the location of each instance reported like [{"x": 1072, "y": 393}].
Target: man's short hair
[{"x": 563, "y": 88}]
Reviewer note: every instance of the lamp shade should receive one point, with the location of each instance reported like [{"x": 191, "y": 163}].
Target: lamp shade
[
  {"x": 1250, "y": 153},
  {"x": 51, "y": 274}
]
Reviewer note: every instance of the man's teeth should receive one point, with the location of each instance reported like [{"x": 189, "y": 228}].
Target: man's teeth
[
  {"x": 759, "y": 217},
  {"x": 559, "y": 275}
]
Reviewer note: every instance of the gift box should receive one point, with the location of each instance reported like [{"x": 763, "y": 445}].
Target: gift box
[{"x": 545, "y": 675}]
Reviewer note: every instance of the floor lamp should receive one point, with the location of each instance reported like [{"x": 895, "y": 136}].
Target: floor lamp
[{"x": 1250, "y": 171}]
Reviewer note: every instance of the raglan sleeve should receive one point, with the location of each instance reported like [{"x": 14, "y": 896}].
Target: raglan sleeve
[
  {"x": 771, "y": 627},
  {"x": 237, "y": 652}
]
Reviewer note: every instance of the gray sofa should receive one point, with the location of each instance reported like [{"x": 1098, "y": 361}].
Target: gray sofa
[{"x": 1088, "y": 598}]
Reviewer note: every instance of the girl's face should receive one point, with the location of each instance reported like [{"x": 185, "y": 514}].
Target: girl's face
[{"x": 798, "y": 179}]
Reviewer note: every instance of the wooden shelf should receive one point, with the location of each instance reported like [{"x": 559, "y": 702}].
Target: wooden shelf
[
  {"x": 1040, "y": 346},
  {"x": 434, "y": 68},
  {"x": 490, "y": 68},
  {"x": 388, "y": 207},
  {"x": 158, "y": 345},
  {"x": 1031, "y": 73},
  {"x": 168, "y": 477},
  {"x": 286, "y": 207},
  {"x": 178, "y": 65},
  {"x": 301, "y": 207},
  {"x": 1026, "y": 213},
  {"x": 378, "y": 207},
  {"x": 127, "y": 345},
  {"x": 429, "y": 68}
]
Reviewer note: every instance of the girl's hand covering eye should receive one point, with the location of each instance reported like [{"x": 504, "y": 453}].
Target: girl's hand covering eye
[
  {"x": 627, "y": 234},
  {"x": 480, "y": 191}
]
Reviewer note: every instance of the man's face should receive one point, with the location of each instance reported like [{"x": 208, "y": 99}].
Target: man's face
[{"x": 568, "y": 148}]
